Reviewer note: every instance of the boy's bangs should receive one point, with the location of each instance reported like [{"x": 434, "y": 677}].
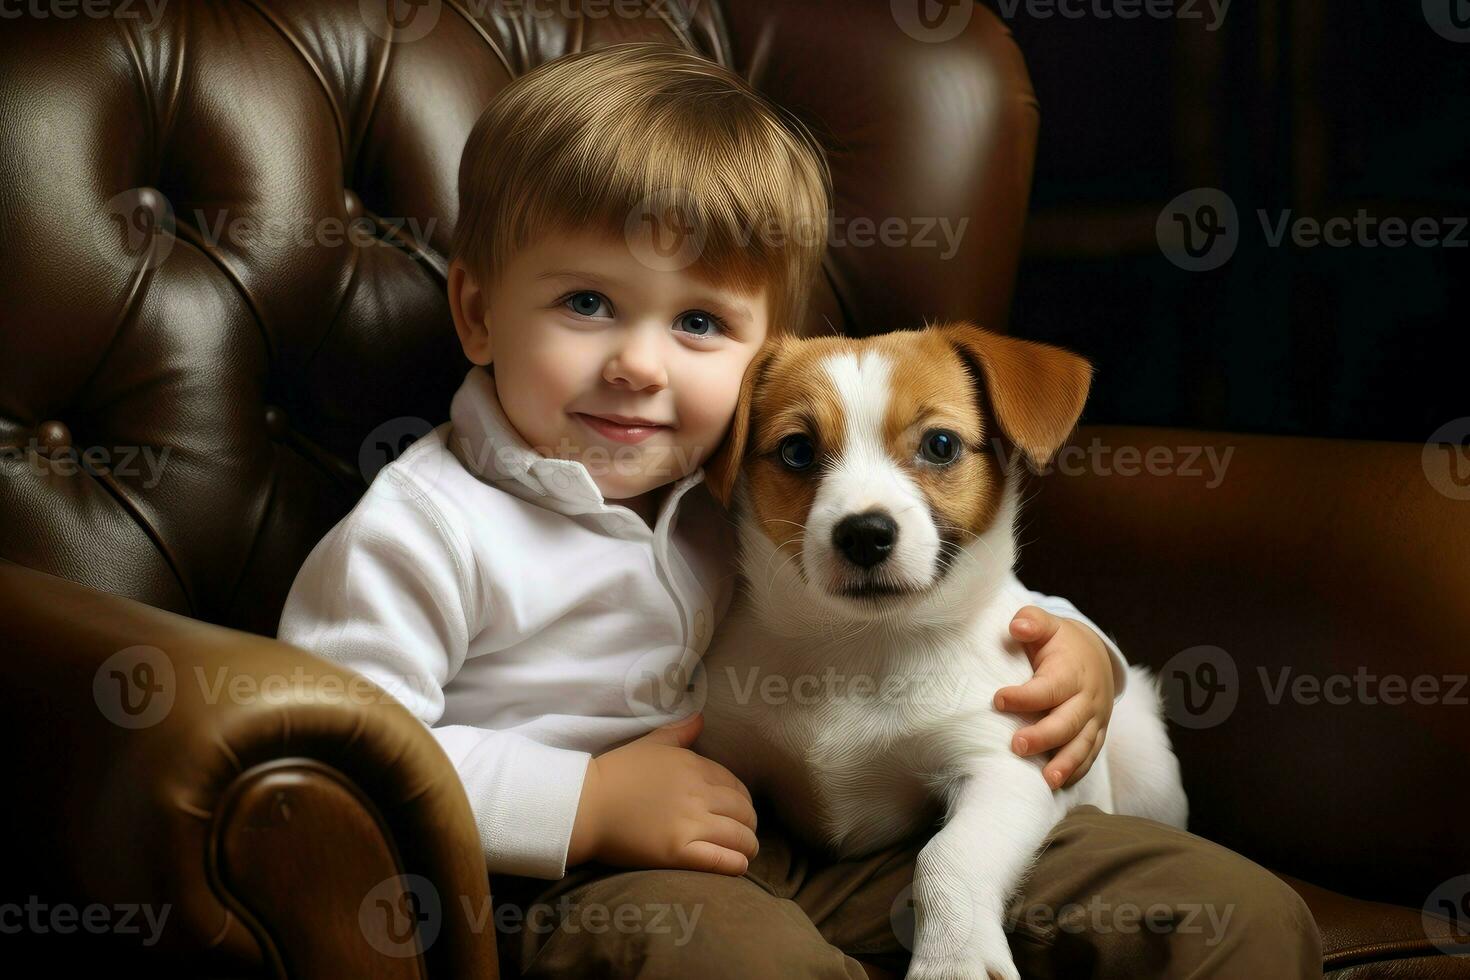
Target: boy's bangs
[
  {"x": 679, "y": 207},
  {"x": 672, "y": 154}
]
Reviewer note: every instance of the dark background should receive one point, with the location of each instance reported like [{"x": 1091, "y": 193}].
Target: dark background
[{"x": 1318, "y": 108}]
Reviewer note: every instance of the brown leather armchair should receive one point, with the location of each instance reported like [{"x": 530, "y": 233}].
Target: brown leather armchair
[{"x": 224, "y": 235}]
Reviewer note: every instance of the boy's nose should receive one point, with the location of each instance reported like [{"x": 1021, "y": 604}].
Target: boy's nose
[{"x": 637, "y": 362}]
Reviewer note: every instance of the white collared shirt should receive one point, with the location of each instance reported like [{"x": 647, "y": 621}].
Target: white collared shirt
[{"x": 527, "y": 621}]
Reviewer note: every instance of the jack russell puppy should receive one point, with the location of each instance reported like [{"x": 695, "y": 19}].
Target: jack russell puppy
[{"x": 875, "y": 488}]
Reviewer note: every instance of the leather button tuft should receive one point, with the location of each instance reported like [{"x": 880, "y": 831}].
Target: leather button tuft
[
  {"x": 275, "y": 421},
  {"x": 53, "y": 437}
]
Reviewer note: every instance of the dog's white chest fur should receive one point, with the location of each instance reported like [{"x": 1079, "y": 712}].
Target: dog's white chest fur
[{"x": 852, "y": 738}]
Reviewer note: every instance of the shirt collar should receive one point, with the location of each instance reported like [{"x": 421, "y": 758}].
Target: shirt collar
[{"x": 486, "y": 442}]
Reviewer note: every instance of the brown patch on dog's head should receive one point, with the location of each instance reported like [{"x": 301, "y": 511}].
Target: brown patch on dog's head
[
  {"x": 783, "y": 392},
  {"x": 1035, "y": 391},
  {"x": 1019, "y": 393},
  {"x": 946, "y": 385},
  {"x": 932, "y": 391}
]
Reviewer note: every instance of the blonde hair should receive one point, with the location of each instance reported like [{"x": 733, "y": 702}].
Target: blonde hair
[{"x": 589, "y": 140}]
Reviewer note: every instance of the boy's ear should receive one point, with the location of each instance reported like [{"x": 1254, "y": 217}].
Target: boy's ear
[
  {"x": 721, "y": 470},
  {"x": 1036, "y": 391},
  {"x": 467, "y": 305}
]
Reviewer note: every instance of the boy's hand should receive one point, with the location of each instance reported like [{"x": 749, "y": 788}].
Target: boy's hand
[
  {"x": 654, "y": 803},
  {"x": 1073, "y": 685}
]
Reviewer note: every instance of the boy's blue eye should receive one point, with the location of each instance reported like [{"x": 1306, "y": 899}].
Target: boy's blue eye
[
  {"x": 585, "y": 303},
  {"x": 701, "y": 324}
]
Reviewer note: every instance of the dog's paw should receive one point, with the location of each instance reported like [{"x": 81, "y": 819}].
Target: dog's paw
[
  {"x": 960, "y": 969},
  {"x": 985, "y": 956}
]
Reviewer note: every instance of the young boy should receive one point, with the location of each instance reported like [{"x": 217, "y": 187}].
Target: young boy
[{"x": 634, "y": 223}]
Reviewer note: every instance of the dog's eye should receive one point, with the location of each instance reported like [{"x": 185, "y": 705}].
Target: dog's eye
[
  {"x": 939, "y": 446},
  {"x": 796, "y": 451}
]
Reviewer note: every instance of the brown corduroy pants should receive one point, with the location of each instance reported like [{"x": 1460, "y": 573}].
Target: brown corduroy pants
[{"x": 1109, "y": 896}]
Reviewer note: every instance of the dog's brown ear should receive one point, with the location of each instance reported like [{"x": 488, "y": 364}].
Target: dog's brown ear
[
  {"x": 1036, "y": 390},
  {"x": 724, "y": 466}
]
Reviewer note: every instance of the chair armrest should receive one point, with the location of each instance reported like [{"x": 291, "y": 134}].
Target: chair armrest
[
  {"x": 256, "y": 795},
  {"x": 1309, "y": 563}
]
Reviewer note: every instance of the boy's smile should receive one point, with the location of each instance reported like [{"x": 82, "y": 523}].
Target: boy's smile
[
  {"x": 630, "y": 370},
  {"x": 622, "y": 428}
]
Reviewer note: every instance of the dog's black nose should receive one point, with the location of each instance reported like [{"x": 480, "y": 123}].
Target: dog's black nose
[{"x": 866, "y": 539}]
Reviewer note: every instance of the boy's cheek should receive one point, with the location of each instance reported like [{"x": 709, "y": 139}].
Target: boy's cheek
[
  {"x": 706, "y": 413},
  {"x": 548, "y": 347}
]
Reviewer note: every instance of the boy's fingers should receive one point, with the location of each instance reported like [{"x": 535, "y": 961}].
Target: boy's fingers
[
  {"x": 726, "y": 801},
  {"x": 1034, "y": 626},
  {"x": 727, "y": 832},
  {"x": 701, "y": 855},
  {"x": 1086, "y": 764},
  {"x": 1058, "y": 728},
  {"x": 1038, "y": 694},
  {"x": 1065, "y": 762}
]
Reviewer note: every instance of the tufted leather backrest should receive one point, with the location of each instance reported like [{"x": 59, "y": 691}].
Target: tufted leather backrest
[{"x": 223, "y": 229}]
